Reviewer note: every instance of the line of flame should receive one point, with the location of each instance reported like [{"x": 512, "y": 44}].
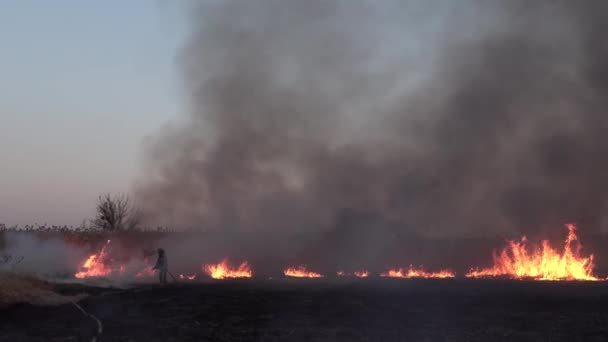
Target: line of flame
[
  {"x": 516, "y": 261},
  {"x": 223, "y": 270},
  {"x": 411, "y": 272},
  {"x": 300, "y": 272}
]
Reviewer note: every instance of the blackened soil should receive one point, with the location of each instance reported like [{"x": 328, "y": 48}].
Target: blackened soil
[{"x": 323, "y": 310}]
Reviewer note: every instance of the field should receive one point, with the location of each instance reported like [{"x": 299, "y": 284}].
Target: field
[{"x": 322, "y": 310}]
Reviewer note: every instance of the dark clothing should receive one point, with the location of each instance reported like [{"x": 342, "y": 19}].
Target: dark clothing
[
  {"x": 162, "y": 267},
  {"x": 161, "y": 263}
]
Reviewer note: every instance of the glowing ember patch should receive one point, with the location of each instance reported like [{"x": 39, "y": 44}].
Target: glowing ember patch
[
  {"x": 145, "y": 273},
  {"x": 411, "y": 272},
  {"x": 519, "y": 262},
  {"x": 358, "y": 274},
  {"x": 223, "y": 270},
  {"x": 300, "y": 272},
  {"x": 361, "y": 274},
  {"x": 95, "y": 265},
  {"x": 187, "y": 276}
]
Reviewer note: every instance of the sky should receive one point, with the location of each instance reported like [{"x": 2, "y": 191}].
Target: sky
[{"x": 82, "y": 84}]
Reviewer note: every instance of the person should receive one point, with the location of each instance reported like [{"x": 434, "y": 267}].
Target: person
[{"x": 162, "y": 266}]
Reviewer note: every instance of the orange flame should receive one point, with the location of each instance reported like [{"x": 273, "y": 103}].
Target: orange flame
[
  {"x": 361, "y": 274},
  {"x": 358, "y": 274},
  {"x": 516, "y": 261},
  {"x": 411, "y": 272},
  {"x": 300, "y": 272},
  {"x": 187, "y": 276},
  {"x": 223, "y": 270},
  {"x": 95, "y": 265}
]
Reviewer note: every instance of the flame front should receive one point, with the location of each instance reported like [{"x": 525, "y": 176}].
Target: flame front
[
  {"x": 300, "y": 272},
  {"x": 411, "y": 272},
  {"x": 223, "y": 270},
  {"x": 95, "y": 265},
  {"x": 517, "y": 261}
]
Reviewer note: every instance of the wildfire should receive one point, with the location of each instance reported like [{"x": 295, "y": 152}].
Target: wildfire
[
  {"x": 301, "y": 272},
  {"x": 223, "y": 270},
  {"x": 95, "y": 265},
  {"x": 187, "y": 276},
  {"x": 519, "y": 262},
  {"x": 411, "y": 272},
  {"x": 358, "y": 274},
  {"x": 516, "y": 260}
]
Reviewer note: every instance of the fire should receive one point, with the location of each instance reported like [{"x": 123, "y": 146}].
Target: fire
[
  {"x": 96, "y": 265},
  {"x": 411, "y": 272},
  {"x": 300, "y": 272},
  {"x": 187, "y": 276},
  {"x": 361, "y": 274},
  {"x": 358, "y": 274},
  {"x": 519, "y": 262},
  {"x": 146, "y": 272},
  {"x": 516, "y": 260},
  {"x": 102, "y": 265},
  {"x": 223, "y": 270}
]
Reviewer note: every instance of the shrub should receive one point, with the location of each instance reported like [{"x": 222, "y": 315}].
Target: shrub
[{"x": 116, "y": 213}]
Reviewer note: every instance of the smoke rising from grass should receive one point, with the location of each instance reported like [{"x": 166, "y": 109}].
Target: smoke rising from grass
[{"x": 434, "y": 117}]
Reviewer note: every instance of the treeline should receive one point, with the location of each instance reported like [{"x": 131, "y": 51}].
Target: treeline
[
  {"x": 114, "y": 213},
  {"x": 78, "y": 229}
]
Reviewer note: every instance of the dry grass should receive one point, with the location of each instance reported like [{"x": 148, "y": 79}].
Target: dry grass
[{"x": 15, "y": 289}]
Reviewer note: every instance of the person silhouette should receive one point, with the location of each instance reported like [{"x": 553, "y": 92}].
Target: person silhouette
[{"x": 162, "y": 266}]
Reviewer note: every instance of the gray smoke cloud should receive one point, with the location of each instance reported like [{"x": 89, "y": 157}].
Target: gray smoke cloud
[
  {"x": 426, "y": 117},
  {"x": 47, "y": 258}
]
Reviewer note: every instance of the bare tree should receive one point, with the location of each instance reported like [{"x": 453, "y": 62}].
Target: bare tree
[{"x": 116, "y": 213}]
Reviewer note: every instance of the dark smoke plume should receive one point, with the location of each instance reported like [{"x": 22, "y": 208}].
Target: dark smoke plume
[{"x": 427, "y": 117}]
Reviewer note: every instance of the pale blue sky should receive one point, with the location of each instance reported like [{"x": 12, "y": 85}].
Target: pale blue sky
[{"x": 81, "y": 84}]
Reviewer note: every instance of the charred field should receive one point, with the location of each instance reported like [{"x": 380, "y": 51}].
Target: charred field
[{"x": 322, "y": 310}]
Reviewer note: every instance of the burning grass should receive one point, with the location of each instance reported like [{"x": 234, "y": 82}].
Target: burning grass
[
  {"x": 96, "y": 264},
  {"x": 300, "y": 272},
  {"x": 519, "y": 261},
  {"x": 224, "y": 270},
  {"x": 412, "y": 272}
]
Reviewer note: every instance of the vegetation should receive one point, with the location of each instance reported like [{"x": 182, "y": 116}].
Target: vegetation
[{"x": 116, "y": 213}]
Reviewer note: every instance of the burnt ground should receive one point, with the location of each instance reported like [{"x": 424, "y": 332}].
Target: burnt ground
[{"x": 324, "y": 310}]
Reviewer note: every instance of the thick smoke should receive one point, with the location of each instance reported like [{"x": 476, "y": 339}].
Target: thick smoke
[{"x": 427, "y": 117}]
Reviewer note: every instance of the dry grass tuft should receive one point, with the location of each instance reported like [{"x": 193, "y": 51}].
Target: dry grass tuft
[{"x": 16, "y": 288}]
